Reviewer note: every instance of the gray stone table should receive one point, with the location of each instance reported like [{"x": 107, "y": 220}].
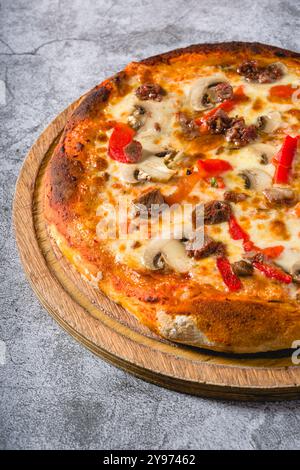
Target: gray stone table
[{"x": 54, "y": 393}]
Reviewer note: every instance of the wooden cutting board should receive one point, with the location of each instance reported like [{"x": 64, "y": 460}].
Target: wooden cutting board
[{"x": 112, "y": 333}]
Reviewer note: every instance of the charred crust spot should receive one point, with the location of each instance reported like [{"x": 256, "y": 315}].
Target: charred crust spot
[
  {"x": 64, "y": 175},
  {"x": 91, "y": 104}
]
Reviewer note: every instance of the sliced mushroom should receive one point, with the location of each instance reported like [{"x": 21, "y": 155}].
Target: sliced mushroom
[
  {"x": 270, "y": 122},
  {"x": 175, "y": 159},
  {"x": 149, "y": 169},
  {"x": 256, "y": 179},
  {"x": 280, "y": 196},
  {"x": 171, "y": 253},
  {"x": 263, "y": 152},
  {"x": 130, "y": 173},
  {"x": 281, "y": 66},
  {"x": 199, "y": 90},
  {"x": 156, "y": 169},
  {"x": 295, "y": 272}
]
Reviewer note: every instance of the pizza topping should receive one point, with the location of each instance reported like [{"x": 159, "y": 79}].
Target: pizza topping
[
  {"x": 229, "y": 277},
  {"x": 273, "y": 252},
  {"x": 150, "y": 204},
  {"x": 242, "y": 268},
  {"x": 280, "y": 196},
  {"x": 269, "y": 123},
  {"x": 217, "y": 94},
  {"x": 255, "y": 178},
  {"x": 137, "y": 118},
  {"x": 150, "y": 169},
  {"x": 133, "y": 151},
  {"x": 236, "y": 231},
  {"x": 239, "y": 133},
  {"x": 295, "y": 272},
  {"x": 233, "y": 196},
  {"x": 282, "y": 91},
  {"x": 255, "y": 73},
  {"x": 150, "y": 91},
  {"x": 273, "y": 272},
  {"x": 284, "y": 159},
  {"x": 185, "y": 186},
  {"x": 206, "y": 91},
  {"x": 188, "y": 126},
  {"x": 156, "y": 169},
  {"x": 212, "y": 167},
  {"x": 218, "y": 122},
  {"x": 208, "y": 247},
  {"x": 161, "y": 253},
  {"x": 216, "y": 212},
  {"x": 264, "y": 152},
  {"x": 261, "y": 262},
  {"x": 121, "y": 136}
]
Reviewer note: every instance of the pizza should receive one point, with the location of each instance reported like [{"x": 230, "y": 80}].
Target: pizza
[{"x": 174, "y": 189}]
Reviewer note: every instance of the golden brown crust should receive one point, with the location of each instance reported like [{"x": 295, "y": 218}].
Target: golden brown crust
[
  {"x": 232, "y": 48},
  {"x": 208, "y": 318}
]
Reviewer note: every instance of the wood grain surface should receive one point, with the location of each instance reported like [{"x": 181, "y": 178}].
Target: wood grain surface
[{"x": 115, "y": 335}]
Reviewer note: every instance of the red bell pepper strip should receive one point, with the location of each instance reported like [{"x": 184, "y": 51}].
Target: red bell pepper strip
[
  {"x": 121, "y": 136},
  {"x": 282, "y": 91},
  {"x": 284, "y": 160},
  {"x": 212, "y": 167},
  {"x": 230, "y": 279},
  {"x": 236, "y": 231},
  {"x": 273, "y": 272},
  {"x": 272, "y": 252}
]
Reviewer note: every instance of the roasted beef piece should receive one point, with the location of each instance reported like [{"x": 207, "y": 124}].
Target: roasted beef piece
[
  {"x": 233, "y": 196},
  {"x": 219, "y": 122},
  {"x": 254, "y": 73},
  {"x": 188, "y": 126},
  {"x": 149, "y": 204},
  {"x": 216, "y": 212},
  {"x": 202, "y": 250},
  {"x": 210, "y": 213},
  {"x": 280, "y": 196},
  {"x": 242, "y": 268},
  {"x": 150, "y": 91},
  {"x": 133, "y": 151},
  {"x": 239, "y": 133}
]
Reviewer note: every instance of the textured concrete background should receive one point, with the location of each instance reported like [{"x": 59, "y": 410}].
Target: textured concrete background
[{"x": 54, "y": 393}]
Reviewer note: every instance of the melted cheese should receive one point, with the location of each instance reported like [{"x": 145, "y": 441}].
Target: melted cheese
[{"x": 252, "y": 215}]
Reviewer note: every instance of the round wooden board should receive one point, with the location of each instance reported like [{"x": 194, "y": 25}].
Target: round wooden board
[{"x": 115, "y": 335}]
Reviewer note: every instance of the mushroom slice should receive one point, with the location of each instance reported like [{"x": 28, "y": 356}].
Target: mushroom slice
[
  {"x": 256, "y": 179},
  {"x": 280, "y": 196},
  {"x": 270, "y": 122},
  {"x": 295, "y": 272},
  {"x": 156, "y": 169},
  {"x": 282, "y": 67},
  {"x": 171, "y": 253},
  {"x": 130, "y": 173},
  {"x": 263, "y": 152},
  {"x": 200, "y": 87}
]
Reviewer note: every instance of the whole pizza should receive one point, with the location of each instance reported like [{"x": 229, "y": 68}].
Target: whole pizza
[{"x": 175, "y": 187}]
